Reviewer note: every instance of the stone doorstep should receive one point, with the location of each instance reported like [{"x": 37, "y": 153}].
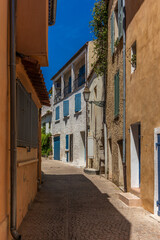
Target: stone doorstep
[
  {"x": 136, "y": 191},
  {"x": 130, "y": 199},
  {"x": 91, "y": 171}
]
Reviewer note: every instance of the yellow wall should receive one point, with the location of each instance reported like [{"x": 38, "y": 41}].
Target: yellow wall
[
  {"x": 143, "y": 88},
  {"x": 4, "y": 180}
]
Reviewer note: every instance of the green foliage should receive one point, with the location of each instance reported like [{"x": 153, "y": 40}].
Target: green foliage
[
  {"x": 46, "y": 143},
  {"x": 133, "y": 60},
  {"x": 99, "y": 27}
]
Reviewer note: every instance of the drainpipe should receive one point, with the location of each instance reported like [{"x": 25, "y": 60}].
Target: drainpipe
[
  {"x": 124, "y": 96},
  {"x": 13, "y": 150}
]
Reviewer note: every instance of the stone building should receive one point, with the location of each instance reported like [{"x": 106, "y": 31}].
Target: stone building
[
  {"x": 96, "y": 121},
  {"x": 114, "y": 94},
  {"x": 69, "y": 107},
  {"x": 142, "y": 101},
  {"x": 24, "y": 49},
  {"x": 46, "y": 118}
]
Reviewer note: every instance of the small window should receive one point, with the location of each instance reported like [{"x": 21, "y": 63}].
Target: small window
[
  {"x": 95, "y": 92},
  {"x": 66, "y": 108},
  {"x": 78, "y": 102},
  {"x": 49, "y": 125},
  {"x": 57, "y": 113},
  {"x": 133, "y": 57},
  {"x": 116, "y": 94}
]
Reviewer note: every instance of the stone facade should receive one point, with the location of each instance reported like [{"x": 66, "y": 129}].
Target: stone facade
[
  {"x": 95, "y": 116},
  {"x": 114, "y": 169}
]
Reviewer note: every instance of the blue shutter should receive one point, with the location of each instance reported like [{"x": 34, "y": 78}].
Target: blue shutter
[
  {"x": 57, "y": 113},
  {"x": 66, "y": 108},
  {"x": 78, "y": 102},
  {"x": 67, "y": 142},
  {"x": 81, "y": 76},
  {"x": 112, "y": 33},
  {"x": 120, "y": 18},
  {"x": 57, "y": 148}
]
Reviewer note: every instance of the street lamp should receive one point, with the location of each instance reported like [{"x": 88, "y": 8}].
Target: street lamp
[{"x": 86, "y": 94}]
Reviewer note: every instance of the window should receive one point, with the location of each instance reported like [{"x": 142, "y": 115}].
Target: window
[
  {"x": 27, "y": 119},
  {"x": 57, "y": 113},
  {"x": 49, "y": 125},
  {"x": 78, "y": 102},
  {"x": 66, "y": 108},
  {"x": 116, "y": 94},
  {"x": 70, "y": 85},
  {"x": 95, "y": 92},
  {"x": 81, "y": 76},
  {"x": 120, "y": 18},
  {"x": 67, "y": 142},
  {"x": 133, "y": 58}
]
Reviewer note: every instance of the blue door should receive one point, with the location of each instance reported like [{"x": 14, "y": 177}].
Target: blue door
[
  {"x": 57, "y": 148},
  {"x": 158, "y": 146}
]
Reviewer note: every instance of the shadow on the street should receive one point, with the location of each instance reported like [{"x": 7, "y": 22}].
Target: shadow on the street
[{"x": 71, "y": 207}]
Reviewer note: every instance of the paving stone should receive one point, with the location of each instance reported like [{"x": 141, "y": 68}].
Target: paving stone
[{"x": 74, "y": 206}]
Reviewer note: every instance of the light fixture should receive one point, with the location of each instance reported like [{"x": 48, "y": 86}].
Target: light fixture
[{"x": 86, "y": 93}]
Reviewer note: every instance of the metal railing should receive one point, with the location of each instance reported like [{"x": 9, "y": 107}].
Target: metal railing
[
  {"x": 67, "y": 90},
  {"x": 57, "y": 97},
  {"x": 79, "y": 81}
]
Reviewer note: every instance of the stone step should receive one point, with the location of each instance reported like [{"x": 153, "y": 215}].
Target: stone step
[{"x": 130, "y": 199}]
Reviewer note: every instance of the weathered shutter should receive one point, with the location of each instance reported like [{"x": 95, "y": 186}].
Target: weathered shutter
[
  {"x": 66, "y": 108},
  {"x": 116, "y": 93},
  {"x": 78, "y": 102},
  {"x": 57, "y": 113},
  {"x": 120, "y": 18},
  {"x": 67, "y": 142},
  {"x": 112, "y": 33}
]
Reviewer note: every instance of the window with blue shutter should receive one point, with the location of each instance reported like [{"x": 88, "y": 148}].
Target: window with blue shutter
[
  {"x": 66, "y": 108},
  {"x": 120, "y": 18},
  {"x": 57, "y": 113},
  {"x": 81, "y": 76},
  {"x": 67, "y": 142},
  {"x": 116, "y": 94},
  {"x": 112, "y": 33},
  {"x": 78, "y": 102}
]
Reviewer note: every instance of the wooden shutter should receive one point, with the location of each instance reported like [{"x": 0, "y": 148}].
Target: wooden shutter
[
  {"x": 66, "y": 108},
  {"x": 120, "y": 18},
  {"x": 69, "y": 85},
  {"x": 57, "y": 113},
  {"x": 112, "y": 33},
  {"x": 116, "y": 94},
  {"x": 67, "y": 142},
  {"x": 78, "y": 102}
]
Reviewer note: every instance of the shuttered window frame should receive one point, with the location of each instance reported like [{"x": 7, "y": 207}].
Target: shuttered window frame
[
  {"x": 66, "y": 108},
  {"x": 116, "y": 95},
  {"x": 57, "y": 117},
  {"x": 77, "y": 102}
]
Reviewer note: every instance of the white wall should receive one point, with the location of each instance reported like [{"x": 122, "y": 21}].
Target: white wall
[
  {"x": 74, "y": 124},
  {"x": 47, "y": 119}
]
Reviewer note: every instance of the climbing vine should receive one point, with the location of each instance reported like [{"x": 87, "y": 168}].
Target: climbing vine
[{"x": 99, "y": 28}]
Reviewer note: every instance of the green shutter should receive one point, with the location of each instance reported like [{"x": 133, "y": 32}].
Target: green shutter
[
  {"x": 116, "y": 94},
  {"x": 112, "y": 33},
  {"x": 120, "y": 18}
]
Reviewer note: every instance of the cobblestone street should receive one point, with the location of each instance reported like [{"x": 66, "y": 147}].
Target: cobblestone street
[{"x": 75, "y": 206}]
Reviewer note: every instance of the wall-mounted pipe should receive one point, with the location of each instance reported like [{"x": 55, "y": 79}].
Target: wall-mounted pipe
[
  {"x": 13, "y": 148},
  {"x": 124, "y": 96}
]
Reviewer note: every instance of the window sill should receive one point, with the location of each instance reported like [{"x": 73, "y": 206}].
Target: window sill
[
  {"x": 66, "y": 117},
  {"x": 77, "y": 113},
  {"x": 23, "y": 163},
  {"x": 57, "y": 121}
]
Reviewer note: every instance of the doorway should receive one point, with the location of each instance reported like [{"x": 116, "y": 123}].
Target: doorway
[
  {"x": 57, "y": 148},
  {"x": 135, "y": 149},
  {"x": 71, "y": 148}
]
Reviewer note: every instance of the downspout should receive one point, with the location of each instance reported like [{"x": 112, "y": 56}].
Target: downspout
[
  {"x": 124, "y": 96},
  {"x": 13, "y": 150}
]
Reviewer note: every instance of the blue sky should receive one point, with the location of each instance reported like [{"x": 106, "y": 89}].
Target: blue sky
[{"x": 68, "y": 35}]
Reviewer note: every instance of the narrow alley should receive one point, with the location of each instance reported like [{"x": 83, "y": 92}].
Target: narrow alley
[{"x": 75, "y": 206}]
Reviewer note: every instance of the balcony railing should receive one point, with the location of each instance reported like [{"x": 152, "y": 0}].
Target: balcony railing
[
  {"x": 79, "y": 81},
  {"x": 57, "y": 97},
  {"x": 67, "y": 90}
]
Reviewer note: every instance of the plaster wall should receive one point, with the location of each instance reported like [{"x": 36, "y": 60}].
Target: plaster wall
[
  {"x": 4, "y": 153},
  {"x": 114, "y": 125},
  {"x": 95, "y": 115},
  {"x": 47, "y": 119},
  {"x": 74, "y": 124},
  {"x": 32, "y": 29},
  {"x": 142, "y": 88}
]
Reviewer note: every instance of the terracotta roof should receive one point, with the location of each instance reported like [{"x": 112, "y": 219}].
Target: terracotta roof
[
  {"x": 52, "y": 12},
  {"x": 36, "y": 77},
  {"x": 74, "y": 56}
]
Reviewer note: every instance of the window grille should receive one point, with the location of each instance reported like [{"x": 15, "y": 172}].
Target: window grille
[{"x": 27, "y": 119}]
